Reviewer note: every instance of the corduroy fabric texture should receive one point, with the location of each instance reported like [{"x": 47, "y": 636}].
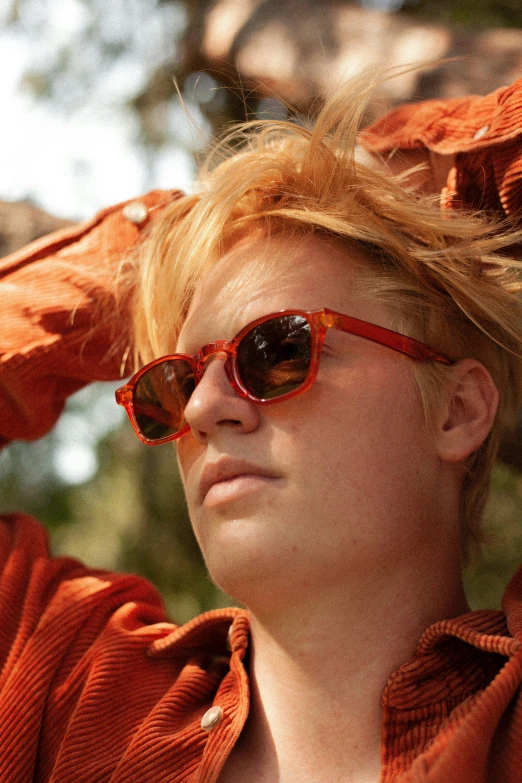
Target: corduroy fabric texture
[
  {"x": 95, "y": 684},
  {"x": 483, "y": 132},
  {"x": 62, "y": 322}
]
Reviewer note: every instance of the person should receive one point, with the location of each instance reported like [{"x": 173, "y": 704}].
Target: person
[{"x": 335, "y": 359}]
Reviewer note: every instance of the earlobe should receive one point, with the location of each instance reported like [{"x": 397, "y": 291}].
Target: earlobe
[{"x": 469, "y": 411}]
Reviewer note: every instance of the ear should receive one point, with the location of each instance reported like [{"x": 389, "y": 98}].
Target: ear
[{"x": 469, "y": 410}]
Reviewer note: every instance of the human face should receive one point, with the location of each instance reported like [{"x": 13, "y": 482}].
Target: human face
[{"x": 301, "y": 496}]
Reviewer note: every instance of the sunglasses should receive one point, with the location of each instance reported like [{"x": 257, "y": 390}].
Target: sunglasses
[{"x": 270, "y": 360}]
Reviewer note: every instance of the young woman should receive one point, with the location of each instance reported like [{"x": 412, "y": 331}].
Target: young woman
[{"x": 334, "y": 358}]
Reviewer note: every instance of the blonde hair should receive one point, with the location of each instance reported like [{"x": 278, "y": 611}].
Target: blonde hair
[{"x": 443, "y": 274}]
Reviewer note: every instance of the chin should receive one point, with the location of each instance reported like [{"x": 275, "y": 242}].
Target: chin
[{"x": 243, "y": 563}]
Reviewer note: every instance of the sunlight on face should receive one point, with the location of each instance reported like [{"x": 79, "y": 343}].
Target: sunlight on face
[{"x": 348, "y": 469}]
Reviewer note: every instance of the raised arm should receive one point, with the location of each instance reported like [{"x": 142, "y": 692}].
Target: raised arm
[
  {"x": 62, "y": 324},
  {"x": 471, "y": 148}
]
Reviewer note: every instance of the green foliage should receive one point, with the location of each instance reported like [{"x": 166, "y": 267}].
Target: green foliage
[
  {"x": 501, "y": 554},
  {"x": 467, "y": 13}
]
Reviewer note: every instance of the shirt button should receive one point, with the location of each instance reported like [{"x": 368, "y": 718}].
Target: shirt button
[
  {"x": 481, "y": 132},
  {"x": 212, "y": 718},
  {"x": 135, "y": 212},
  {"x": 229, "y": 639}
]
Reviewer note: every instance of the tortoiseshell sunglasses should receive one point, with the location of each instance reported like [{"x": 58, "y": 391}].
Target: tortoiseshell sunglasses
[{"x": 271, "y": 359}]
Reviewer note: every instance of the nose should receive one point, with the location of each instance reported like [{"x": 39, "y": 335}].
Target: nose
[{"x": 215, "y": 406}]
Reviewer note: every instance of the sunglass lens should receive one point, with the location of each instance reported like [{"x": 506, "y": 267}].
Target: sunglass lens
[
  {"x": 160, "y": 397},
  {"x": 274, "y": 357}
]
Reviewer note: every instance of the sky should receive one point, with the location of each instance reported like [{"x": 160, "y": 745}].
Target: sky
[{"x": 79, "y": 148}]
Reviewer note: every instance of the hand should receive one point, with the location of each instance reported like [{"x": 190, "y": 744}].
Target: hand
[{"x": 429, "y": 179}]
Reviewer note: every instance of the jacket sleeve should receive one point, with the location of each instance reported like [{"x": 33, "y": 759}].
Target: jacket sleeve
[
  {"x": 62, "y": 323},
  {"x": 483, "y": 133},
  {"x": 73, "y": 644}
]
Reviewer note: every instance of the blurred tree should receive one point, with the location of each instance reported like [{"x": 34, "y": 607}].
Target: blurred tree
[
  {"x": 21, "y": 222},
  {"x": 299, "y": 50},
  {"x": 469, "y": 13}
]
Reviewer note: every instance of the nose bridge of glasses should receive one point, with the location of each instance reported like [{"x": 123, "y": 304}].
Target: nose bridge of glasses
[
  {"x": 210, "y": 351},
  {"x": 327, "y": 318}
]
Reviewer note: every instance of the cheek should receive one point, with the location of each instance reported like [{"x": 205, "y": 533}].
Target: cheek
[
  {"x": 363, "y": 469},
  {"x": 187, "y": 453},
  {"x": 363, "y": 428}
]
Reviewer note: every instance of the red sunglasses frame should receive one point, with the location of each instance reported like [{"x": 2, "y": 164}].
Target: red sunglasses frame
[{"x": 320, "y": 321}]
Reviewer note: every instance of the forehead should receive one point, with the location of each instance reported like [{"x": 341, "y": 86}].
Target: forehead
[{"x": 260, "y": 275}]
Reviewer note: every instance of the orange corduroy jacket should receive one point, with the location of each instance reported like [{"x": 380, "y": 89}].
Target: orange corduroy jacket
[{"x": 95, "y": 684}]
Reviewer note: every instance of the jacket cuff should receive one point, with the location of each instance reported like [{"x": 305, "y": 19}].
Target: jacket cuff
[
  {"x": 483, "y": 132},
  {"x": 62, "y": 322}
]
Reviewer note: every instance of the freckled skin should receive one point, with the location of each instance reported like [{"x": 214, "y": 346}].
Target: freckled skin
[{"x": 358, "y": 489}]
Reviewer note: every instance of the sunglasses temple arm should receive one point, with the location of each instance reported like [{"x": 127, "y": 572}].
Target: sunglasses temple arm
[{"x": 408, "y": 346}]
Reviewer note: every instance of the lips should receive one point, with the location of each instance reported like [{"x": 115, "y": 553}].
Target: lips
[{"x": 226, "y": 469}]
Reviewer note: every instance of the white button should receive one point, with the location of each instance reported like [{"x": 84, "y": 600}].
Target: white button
[
  {"x": 481, "y": 132},
  {"x": 135, "y": 212},
  {"x": 212, "y": 718}
]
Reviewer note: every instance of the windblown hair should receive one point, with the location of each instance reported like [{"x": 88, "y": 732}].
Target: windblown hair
[{"x": 448, "y": 277}]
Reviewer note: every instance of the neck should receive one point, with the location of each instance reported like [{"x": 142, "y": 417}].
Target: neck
[{"x": 319, "y": 668}]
